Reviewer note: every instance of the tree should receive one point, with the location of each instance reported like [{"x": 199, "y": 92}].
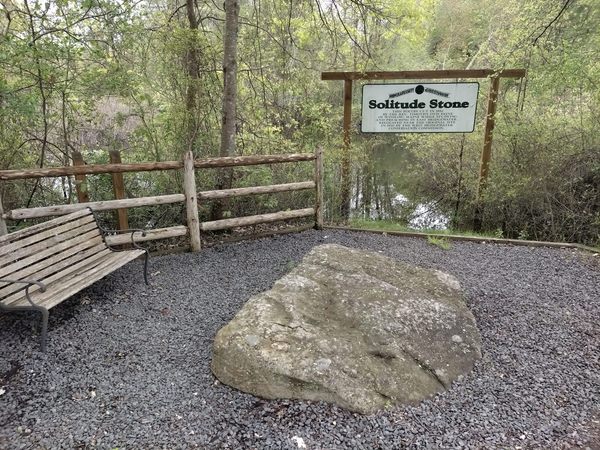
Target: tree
[
  {"x": 192, "y": 66},
  {"x": 228, "y": 123}
]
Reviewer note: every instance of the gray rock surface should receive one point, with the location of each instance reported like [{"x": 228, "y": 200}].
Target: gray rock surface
[{"x": 350, "y": 327}]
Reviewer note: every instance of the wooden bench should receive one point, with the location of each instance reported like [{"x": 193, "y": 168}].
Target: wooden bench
[{"x": 47, "y": 263}]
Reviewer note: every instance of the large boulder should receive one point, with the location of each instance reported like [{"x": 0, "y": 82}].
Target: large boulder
[{"x": 353, "y": 328}]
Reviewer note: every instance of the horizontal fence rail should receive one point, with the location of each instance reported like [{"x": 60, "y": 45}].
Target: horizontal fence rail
[
  {"x": 256, "y": 190},
  {"x": 190, "y": 196},
  {"x": 106, "y": 205},
  {"x": 90, "y": 169},
  {"x": 252, "y": 160},
  {"x": 204, "y": 163},
  {"x": 59, "y": 210},
  {"x": 254, "y": 220},
  {"x": 150, "y": 235}
]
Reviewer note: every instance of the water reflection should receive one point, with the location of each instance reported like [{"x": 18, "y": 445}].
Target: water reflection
[
  {"x": 381, "y": 188},
  {"x": 419, "y": 216}
]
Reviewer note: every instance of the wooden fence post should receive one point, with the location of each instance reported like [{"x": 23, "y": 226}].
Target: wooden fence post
[
  {"x": 80, "y": 180},
  {"x": 3, "y": 228},
  {"x": 119, "y": 190},
  {"x": 319, "y": 188},
  {"x": 191, "y": 201}
]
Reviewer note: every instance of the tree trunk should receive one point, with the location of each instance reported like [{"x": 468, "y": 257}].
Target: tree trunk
[
  {"x": 192, "y": 67},
  {"x": 228, "y": 124},
  {"x": 42, "y": 89}
]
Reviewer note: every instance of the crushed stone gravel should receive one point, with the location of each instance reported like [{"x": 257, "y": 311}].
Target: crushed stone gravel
[{"x": 128, "y": 365}]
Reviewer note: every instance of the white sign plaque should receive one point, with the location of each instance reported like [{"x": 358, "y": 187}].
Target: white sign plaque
[{"x": 419, "y": 108}]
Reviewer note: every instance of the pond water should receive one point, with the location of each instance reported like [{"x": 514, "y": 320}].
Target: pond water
[
  {"x": 424, "y": 215},
  {"x": 419, "y": 216},
  {"x": 381, "y": 188}
]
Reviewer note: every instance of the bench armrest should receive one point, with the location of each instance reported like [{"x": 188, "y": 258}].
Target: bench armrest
[
  {"x": 29, "y": 283},
  {"x": 106, "y": 232}
]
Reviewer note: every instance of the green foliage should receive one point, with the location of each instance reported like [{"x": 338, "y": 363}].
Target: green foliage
[
  {"x": 543, "y": 180},
  {"x": 440, "y": 242},
  {"x": 95, "y": 76}
]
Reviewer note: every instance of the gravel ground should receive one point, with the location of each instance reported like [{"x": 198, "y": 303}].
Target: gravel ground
[{"x": 128, "y": 366}]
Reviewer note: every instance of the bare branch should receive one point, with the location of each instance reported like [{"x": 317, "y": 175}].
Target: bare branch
[{"x": 560, "y": 13}]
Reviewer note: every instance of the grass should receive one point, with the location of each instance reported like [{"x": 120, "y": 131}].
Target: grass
[
  {"x": 439, "y": 241},
  {"x": 389, "y": 225}
]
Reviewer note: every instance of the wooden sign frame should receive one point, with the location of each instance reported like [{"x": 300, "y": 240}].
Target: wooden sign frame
[{"x": 350, "y": 77}]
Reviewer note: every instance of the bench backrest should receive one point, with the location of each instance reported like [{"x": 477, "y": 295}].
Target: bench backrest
[{"x": 48, "y": 251}]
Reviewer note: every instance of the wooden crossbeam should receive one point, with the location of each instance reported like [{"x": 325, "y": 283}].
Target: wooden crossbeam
[{"x": 424, "y": 74}]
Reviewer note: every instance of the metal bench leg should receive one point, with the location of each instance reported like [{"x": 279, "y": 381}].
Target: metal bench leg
[
  {"x": 146, "y": 268},
  {"x": 44, "y": 336},
  {"x": 44, "y": 333},
  {"x": 33, "y": 306}
]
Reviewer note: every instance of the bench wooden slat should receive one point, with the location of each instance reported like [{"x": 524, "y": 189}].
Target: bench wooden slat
[
  {"x": 20, "y": 243},
  {"x": 51, "y": 242},
  {"x": 30, "y": 271},
  {"x": 67, "y": 288},
  {"x": 20, "y": 234},
  {"x": 48, "y": 267},
  {"x": 66, "y": 254},
  {"x": 64, "y": 275},
  {"x": 6, "y": 270}
]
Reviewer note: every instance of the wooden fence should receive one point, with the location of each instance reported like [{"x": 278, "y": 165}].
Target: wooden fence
[{"x": 190, "y": 196}]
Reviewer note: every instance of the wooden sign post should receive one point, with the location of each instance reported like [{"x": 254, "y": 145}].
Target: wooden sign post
[
  {"x": 349, "y": 77},
  {"x": 346, "y": 176},
  {"x": 486, "y": 154}
]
